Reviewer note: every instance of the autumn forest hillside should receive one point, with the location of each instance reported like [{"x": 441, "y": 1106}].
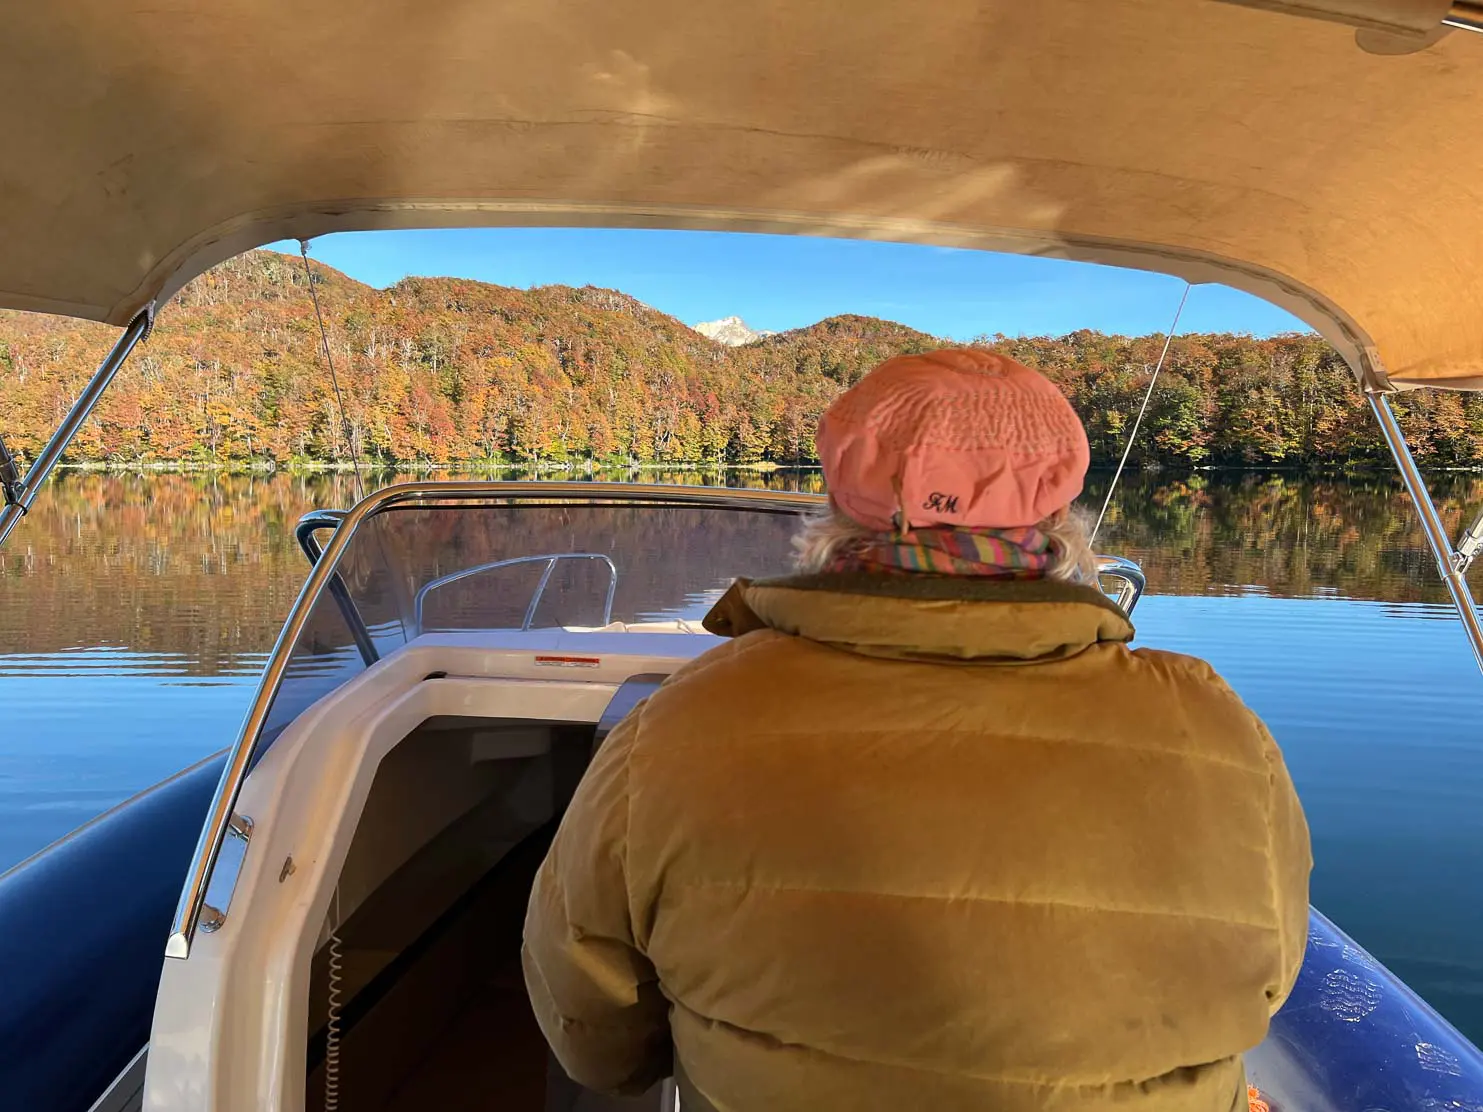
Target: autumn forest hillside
[{"x": 443, "y": 370}]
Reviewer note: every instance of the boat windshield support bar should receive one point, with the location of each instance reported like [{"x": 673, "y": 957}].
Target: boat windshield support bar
[
  {"x": 1450, "y": 564},
  {"x": 10, "y": 477},
  {"x": 22, "y": 494},
  {"x": 219, "y": 815},
  {"x": 309, "y": 525}
]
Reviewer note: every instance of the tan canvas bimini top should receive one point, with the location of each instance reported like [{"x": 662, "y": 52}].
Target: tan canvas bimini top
[{"x": 1214, "y": 140}]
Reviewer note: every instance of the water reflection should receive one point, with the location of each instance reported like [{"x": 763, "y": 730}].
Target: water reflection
[
  {"x": 135, "y": 612},
  {"x": 203, "y": 566},
  {"x": 201, "y": 569}
]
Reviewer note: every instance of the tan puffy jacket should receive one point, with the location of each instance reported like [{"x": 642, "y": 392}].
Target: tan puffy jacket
[{"x": 912, "y": 842}]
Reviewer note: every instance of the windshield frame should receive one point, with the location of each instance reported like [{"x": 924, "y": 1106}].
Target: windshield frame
[{"x": 324, "y": 577}]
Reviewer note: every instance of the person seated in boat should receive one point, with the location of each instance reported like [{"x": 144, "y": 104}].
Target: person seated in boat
[{"x": 925, "y": 832}]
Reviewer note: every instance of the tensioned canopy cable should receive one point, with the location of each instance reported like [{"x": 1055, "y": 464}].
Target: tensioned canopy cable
[
  {"x": 324, "y": 340},
  {"x": 1147, "y": 394}
]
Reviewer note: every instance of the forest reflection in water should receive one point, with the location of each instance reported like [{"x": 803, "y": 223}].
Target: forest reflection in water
[
  {"x": 136, "y": 610},
  {"x": 201, "y": 569}
]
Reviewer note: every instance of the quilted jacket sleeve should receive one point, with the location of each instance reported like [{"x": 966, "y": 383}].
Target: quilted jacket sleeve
[
  {"x": 1292, "y": 862},
  {"x": 595, "y": 995}
]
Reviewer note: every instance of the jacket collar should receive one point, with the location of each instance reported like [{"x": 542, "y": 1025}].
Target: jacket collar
[{"x": 926, "y": 617}]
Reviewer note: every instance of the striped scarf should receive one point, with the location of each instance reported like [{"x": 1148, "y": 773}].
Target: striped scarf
[{"x": 990, "y": 553}]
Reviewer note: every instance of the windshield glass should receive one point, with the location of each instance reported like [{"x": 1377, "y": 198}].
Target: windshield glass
[
  {"x": 533, "y": 562},
  {"x": 524, "y": 565}
]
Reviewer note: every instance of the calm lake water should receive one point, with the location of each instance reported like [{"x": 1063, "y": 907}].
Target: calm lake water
[{"x": 135, "y": 612}]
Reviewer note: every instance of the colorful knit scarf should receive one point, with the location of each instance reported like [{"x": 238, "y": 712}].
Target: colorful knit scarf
[{"x": 990, "y": 553}]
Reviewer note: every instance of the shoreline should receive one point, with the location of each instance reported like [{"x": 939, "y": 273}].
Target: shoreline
[
  {"x": 763, "y": 467},
  {"x": 467, "y": 467}
]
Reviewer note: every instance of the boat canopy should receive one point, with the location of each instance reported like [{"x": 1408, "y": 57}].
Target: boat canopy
[{"x": 1331, "y": 165}]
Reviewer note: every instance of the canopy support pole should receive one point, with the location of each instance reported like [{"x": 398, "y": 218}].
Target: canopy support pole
[
  {"x": 1451, "y": 565},
  {"x": 19, "y": 498}
]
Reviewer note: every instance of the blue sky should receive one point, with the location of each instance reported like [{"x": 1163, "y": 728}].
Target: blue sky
[{"x": 781, "y": 282}]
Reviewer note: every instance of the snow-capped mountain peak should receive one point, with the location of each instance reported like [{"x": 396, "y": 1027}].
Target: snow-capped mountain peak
[{"x": 731, "y": 331}]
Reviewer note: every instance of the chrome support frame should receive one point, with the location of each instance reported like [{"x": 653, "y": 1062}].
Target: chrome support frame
[
  {"x": 1130, "y": 577},
  {"x": 551, "y": 560},
  {"x": 1452, "y": 565},
  {"x": 221, "y": 813},
  {"x": 24, "y": 493}
]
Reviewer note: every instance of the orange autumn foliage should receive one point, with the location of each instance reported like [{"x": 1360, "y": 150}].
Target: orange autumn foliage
[{"x": 442, "y": 370}]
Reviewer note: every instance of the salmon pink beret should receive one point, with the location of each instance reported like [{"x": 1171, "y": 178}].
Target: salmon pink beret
[{"x": 956, "y": 437}]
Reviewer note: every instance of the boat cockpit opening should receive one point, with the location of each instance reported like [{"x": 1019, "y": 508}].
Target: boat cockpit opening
[{"x": 420, "y": 954}]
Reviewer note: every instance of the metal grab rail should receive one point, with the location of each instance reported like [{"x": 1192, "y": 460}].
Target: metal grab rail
[
  {"x": 408, "y": 495},
  {"x": 535, "y": 599},
  {"x": 1130, "y": 576}
]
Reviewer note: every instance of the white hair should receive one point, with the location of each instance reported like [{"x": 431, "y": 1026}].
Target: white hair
[{"x": 829, "y": 534}]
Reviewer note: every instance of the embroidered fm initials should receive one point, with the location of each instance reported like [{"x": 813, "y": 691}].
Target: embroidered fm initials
[{"x": 941, "y": 503}]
